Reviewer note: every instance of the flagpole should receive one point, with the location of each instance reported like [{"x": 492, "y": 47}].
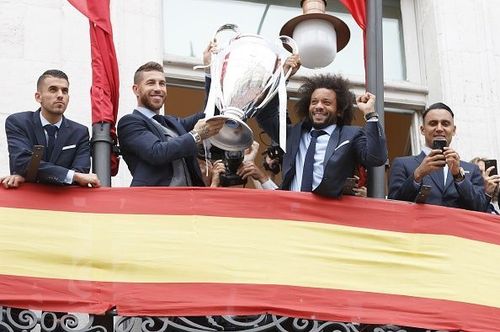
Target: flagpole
[
  {"x": 375, "y": 84},
  {"x": 101, "y": 152}
]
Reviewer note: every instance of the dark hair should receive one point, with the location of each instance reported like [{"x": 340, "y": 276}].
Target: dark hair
[
  {"x": 475, "y": 160},
  {"x": 345, "y": 98},
  {"x": 149, "y": 66},
  {"x": 214, "y": 153},
  {"x": 437, "y": 106},
  {"x": 51, "y": 73}
]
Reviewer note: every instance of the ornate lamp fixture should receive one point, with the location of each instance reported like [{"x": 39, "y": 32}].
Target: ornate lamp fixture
[{"x": 319, "y": 36}]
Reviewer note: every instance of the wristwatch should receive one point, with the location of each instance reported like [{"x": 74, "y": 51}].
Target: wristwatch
[
  {"x": 460, "y": 176},
  {"x": 370, "y": 115},
  {"x": 196, "y": 136}
]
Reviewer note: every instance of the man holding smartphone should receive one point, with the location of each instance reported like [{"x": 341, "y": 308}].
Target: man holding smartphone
[
  {"x": 488, "y": 168},
  {"x": 438, "y": 169}
]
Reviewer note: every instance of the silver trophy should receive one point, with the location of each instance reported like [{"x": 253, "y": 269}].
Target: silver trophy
[{"x": 246, "y": 74}]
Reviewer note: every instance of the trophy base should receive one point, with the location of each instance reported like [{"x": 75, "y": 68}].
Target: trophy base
[{"x": 235, "y": 135}]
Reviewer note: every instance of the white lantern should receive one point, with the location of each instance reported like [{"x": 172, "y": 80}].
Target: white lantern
[
  {"x": 317, "y": 42},
  {"x": 319, "y": 36}
]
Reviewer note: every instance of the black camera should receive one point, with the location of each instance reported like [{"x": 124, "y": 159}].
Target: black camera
[
  {"x": 232, "y": 161},
  {"x": 275, "y": 153}
]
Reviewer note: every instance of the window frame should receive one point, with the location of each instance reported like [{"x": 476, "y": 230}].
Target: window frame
[{"x": 409, "y": 96}]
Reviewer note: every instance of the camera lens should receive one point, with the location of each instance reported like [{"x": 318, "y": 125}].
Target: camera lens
[
  {"x": 232, "y": 124},
  {"x": 234, "y": 154}
]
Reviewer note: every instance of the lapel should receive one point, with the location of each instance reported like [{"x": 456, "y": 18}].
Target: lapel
[
  {"x": 292, "y": 148},
  {"x": 449, "y": 180},
  {"x": 62, "y": 136},
  {"x": 437, "y": 176},
  {"x": 174, "y": 125},
  {"x": 294, "y": 141},
  {"x": 39, "y": 131},
  {"x": 151, "y": 126},
  {"x": 419, "y": 158},
  {"x": 332, "y": 144}
]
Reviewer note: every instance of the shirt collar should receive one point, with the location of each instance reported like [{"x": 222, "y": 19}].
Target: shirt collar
[
  {"x": 45, "y": 122},
  {"x": 426, "y": 150},
  {"x": 146, "y": 112},
  {"x": 329, "y": 130}
]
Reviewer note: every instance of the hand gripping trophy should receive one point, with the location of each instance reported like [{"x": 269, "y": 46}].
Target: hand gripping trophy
[{"x": 246, "y": 74}]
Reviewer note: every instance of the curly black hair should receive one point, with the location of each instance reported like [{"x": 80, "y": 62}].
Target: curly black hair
[{"x": 345, "y": 98}]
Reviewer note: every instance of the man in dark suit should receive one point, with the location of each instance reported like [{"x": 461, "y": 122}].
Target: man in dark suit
[
  {"x": 453, "y": 182},
  {"x": 66, "y": 158},
  {"x": 323, "y": 149},
  {"x": 161, "y": 150}
]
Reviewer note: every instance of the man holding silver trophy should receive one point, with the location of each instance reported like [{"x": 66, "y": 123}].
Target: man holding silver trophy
[
  {"x": 160, "y": 150},
  {"x": 323, "y": 149}
]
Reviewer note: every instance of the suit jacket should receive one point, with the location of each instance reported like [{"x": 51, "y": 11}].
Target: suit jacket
[
  {"x": 71, "y": 150},
  {"x": 149, "y": 153},
  {"x": 468, "y": 194},
  {"x": 347, "y": 146}
]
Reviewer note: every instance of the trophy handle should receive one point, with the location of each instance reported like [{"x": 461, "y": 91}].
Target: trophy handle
[
  {"x": 225, "y": 27},
  {"x": 292, "y": 45},
  {"x": 228, "y": 26}
]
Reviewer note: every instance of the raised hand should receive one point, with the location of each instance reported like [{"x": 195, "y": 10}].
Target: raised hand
[{"x": 366, "y": 103}]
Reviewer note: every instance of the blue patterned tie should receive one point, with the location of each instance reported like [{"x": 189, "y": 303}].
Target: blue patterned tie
[
  {"x": 51, "y": 133},
  {"x": 307, "y": 173}
]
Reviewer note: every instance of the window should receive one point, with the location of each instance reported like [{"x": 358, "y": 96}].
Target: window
[
  {"x": 190, "y": 24},
  {"x": 188, "y": 38}
]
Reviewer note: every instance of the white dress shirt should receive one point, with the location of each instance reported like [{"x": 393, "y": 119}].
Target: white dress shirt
[
  {"x": 71, "y": 173},
  {"x": 319, "y": 157}
]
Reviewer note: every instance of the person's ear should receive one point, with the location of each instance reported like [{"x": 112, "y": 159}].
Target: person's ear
[{"x": 135, "y": 89}]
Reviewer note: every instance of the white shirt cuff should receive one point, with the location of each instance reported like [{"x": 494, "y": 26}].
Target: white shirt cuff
[
  {"x": 69, "y": 177},
  {"x": 269, "y": 185}
]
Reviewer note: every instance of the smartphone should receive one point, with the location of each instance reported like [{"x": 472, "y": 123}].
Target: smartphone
[
  {"x": 348, "y": 185},
  {"x": 422, "y": 195},
  {"x": 491, "y": 162},
  {"x": 439, "y": 144}
]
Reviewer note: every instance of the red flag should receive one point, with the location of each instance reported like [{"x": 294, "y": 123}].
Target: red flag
[
  {"x": 105, "y": 80},
  {"x": 358, "y": 12}
]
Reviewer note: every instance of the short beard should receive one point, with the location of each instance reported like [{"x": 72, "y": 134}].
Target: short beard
[
  {"x": 145, "y": 101},
  {"x": 322, "y": 125}
]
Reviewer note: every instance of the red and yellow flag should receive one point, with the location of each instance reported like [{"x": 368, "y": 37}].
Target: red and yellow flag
[{"x": 202, "y": 251}]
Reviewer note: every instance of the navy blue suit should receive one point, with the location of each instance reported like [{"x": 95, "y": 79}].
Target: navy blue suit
[
  {"x": 347, "y": 147},
  {"x": 149, "y": 153},
  {"x": 71, "y": 150},
  {"x": 468, "y": 194}
]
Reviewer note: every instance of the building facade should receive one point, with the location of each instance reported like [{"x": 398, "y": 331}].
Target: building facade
[{"x": 434, "y": 50}]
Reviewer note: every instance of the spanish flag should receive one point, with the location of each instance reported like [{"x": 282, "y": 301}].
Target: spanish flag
[{"x": 204, "y": 251}]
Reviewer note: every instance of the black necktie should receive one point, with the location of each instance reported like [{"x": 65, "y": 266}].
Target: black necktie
[
  {"x": 307, "y": 173},
  {"x": 51, "y": 133},
  {"x": 160, "y": 119}
]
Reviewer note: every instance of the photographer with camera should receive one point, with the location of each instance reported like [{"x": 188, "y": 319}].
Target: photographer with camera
[
  {"x": 273, "y": 159},
  {"x": 248, "y": 169},
  {"x": 438, "y": 170},
  {"x": 232, "y": 168},
  {"x": 488, "y": 168}
]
